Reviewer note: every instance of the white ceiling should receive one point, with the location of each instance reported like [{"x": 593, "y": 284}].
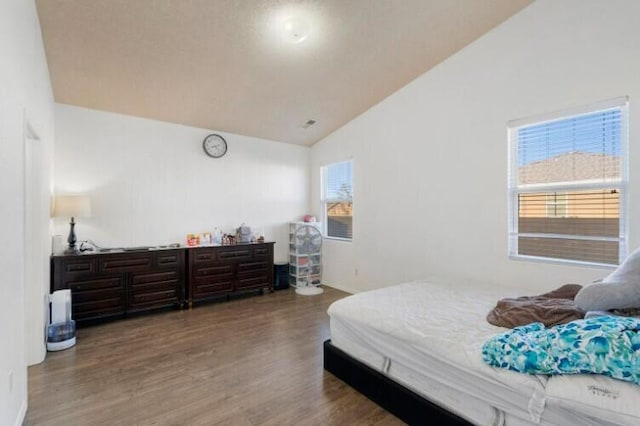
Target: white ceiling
[{"x": 223, "y": 64}]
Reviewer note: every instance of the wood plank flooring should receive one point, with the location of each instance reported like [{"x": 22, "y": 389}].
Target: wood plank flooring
[{"x": 251, "y": 361}]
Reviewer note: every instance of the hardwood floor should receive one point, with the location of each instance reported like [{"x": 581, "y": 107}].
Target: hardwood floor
[{"x": 251, "y": 361}]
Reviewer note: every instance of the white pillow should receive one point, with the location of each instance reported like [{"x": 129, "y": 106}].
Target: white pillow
[
  {"x": 607, "y": 296},
  {"x": 628, "y": 271},
  {"x": 618, "y": 290}
]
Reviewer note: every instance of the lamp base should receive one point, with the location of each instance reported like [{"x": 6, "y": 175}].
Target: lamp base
[{"x": 72, "y": 238}]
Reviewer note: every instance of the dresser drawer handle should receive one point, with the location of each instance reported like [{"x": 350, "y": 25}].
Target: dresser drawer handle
[{"x": 79, "y": 267}]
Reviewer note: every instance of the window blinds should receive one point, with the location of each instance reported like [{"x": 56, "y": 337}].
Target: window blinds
[
  {"x": 338, "y": 200},
  {"x": 566, "y": 182},
  {"x": 339, "y": 182}
]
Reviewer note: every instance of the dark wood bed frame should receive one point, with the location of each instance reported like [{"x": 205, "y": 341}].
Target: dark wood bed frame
[{"x": 392, "y": 396}]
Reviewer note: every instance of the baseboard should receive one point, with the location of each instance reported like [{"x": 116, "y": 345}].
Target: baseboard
[
  {"x": 22, "y": 413},
  {"x": 340, "y": 287}
]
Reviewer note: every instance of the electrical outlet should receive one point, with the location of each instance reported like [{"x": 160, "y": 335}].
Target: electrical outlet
[{"x": 10, "y": 381}]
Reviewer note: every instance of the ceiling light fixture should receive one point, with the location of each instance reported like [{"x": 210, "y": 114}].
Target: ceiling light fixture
[{"x": 295, "y": 30}]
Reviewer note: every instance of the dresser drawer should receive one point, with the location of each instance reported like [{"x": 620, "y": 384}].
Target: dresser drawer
[
  {"x": 214, "y": 270},
  {"x": 253, "y": 281},
  {"x": 97, "y": 298},
  {"x": 173, "y": 258},
  {"x": 125, "y": 263},
  {"x": 253, "y": 274},
  {"x": 252, "y": 268},
  {"x": 154, "y": 299},
  {"x": 262, "y": 252},
  {"x": 79, "y": 266},
  {"x": 235, "y": 253},
  {"x": 95, "y": 284},
  {"x": 111, "y": 285},
  {"x": 212, "y": 286},
  {"x": 94, "y": 309},
  {"x": 154, "y": 282},
  {"x": 202, "y": 255}
]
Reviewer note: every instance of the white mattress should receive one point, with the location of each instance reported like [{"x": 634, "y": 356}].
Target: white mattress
[
  {"x": 429, "y": 336},
  {"x": 596, "y": 396}
]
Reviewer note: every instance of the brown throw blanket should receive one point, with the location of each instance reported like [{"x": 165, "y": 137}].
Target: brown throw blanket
[{"x": 555, "y": 307}]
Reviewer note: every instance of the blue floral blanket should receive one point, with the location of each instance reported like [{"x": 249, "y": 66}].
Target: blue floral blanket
[{"x": 606, "y": 345}]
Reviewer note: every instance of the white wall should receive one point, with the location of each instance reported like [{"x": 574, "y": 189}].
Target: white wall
[
  {"x": 25, "y": 97},
  {"x": 151, "y": 183},
  {"x": 430, "y": 161}
]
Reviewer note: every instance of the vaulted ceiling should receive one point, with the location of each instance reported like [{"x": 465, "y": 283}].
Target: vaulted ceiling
[{"x": 240, "y": 66}]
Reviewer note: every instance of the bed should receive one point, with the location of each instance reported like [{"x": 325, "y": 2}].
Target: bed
[{"x": 416, "y": 349}]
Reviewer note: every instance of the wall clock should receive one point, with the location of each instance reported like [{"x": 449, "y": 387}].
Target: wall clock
[{"x": 214, "y": 146}]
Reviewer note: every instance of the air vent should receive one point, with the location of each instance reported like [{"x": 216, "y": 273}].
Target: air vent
[{"x": 308, "y": 124}]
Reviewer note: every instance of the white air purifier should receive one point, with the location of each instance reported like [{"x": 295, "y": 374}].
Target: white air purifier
[{"x": 61, "y": 329}]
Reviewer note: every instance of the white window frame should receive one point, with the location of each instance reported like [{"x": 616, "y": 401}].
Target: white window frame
[
  {"x": 324, "y": 199},
  {"x": 514, "y": 189}
]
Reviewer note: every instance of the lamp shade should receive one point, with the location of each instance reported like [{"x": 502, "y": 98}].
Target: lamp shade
[{"x": 72, "y": 206}]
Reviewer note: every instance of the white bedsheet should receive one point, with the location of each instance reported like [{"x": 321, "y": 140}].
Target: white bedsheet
[{"x": 429, "y": 336}]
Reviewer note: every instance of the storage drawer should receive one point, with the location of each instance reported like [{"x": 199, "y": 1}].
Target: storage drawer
[
  {"x": 208, "y": 280},
  {"x": 81, "y": 286},
  {"x": 110, "y": 285},
  {"x": 97, "y": 298},
  {"x": 79, "y": 266},
  {"x": 171, "y": 258},
  {"x": 253, "y": 275},
  {"x": 298, "y": 270},
  {"x": 150, "y": 283},
  {"x": 202, "y": 255},
  {"x": 253, "y": 281},
  {"x": 262, "y": 252},
  {"x": 206, "y": 271},
  {"x": 212, "y": 286},
  {"x": 235, "y": 253},
  {"x": 155, "y": 299},
  {"x": 300, "y": 260},
  {"x": 125, "y": 263},
  {"x": 252, "y": 267},
  {"x": 295, "y": 281},
  {"x": 95, "y": 310}
]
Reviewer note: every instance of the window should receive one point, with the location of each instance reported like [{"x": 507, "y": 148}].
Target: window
[
  {"x": 568, "y": 185},
  {"x": 557, "y": 204},
  {"x": 337, "y": 200}
]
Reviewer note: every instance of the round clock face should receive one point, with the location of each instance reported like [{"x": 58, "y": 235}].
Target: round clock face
[{"x": 214, "y": 146}]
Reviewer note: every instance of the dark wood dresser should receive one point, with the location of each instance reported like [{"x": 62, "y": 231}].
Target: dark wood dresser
[
  {"x": 222, "y": 270},
  {"x": 112, "y": 285}
]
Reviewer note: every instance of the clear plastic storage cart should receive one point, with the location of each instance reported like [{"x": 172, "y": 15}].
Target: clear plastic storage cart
[{"x": 305, "y": 257}]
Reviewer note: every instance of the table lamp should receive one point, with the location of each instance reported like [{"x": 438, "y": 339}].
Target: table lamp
[{"x": 74, "y": 206}]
